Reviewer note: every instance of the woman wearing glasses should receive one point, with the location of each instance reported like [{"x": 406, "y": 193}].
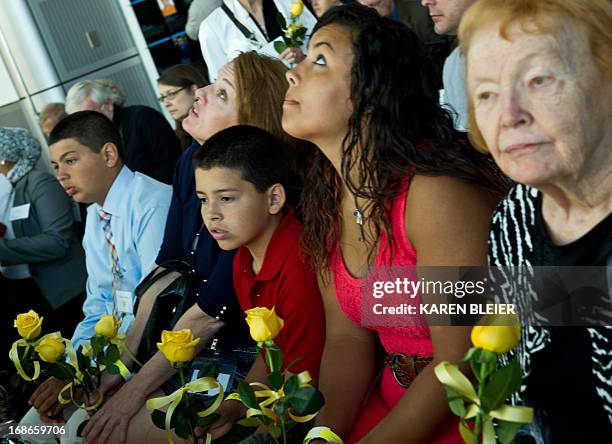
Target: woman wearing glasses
[{"x": 176, "y": 88}]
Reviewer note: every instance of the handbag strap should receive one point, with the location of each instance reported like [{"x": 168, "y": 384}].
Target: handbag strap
[{"x": 243, "y": 29}]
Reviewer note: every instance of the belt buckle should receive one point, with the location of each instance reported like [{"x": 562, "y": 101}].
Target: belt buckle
[{"x": 402, "y": 367}]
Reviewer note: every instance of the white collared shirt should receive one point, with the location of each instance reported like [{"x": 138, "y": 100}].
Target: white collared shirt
[
  {"x": 221, "y": 41},
  {"x": 138, "y": 206}
]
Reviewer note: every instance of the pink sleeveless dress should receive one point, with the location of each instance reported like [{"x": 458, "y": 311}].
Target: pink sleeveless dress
[{"x": 410, "y": 340}]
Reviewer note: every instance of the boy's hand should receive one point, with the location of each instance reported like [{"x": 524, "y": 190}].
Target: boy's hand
[{"x": 45, "y": 396}]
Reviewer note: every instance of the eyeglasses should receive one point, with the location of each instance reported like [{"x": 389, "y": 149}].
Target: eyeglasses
[{"x": 170, "y": 95}]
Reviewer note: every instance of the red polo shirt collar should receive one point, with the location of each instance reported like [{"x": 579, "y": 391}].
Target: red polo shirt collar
[{"x": 285, "y": 236}]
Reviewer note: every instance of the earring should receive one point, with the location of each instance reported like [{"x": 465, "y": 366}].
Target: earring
[{"x": 2, "y": 162}]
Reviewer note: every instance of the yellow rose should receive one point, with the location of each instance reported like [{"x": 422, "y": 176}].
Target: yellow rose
[
  {"x": 178, "y": 345},
  {"x": 107, "y": 326},
  {"x": 28, "y": 325},
  {"x": 51, "y": 347},
  {"x": 496, "y": 338},
  {"x": 263, "y": 323},
  {"x": 297, "y": 8}
]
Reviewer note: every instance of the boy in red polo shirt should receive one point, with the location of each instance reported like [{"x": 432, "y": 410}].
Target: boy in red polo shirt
[{"x": 241, "y": 175}]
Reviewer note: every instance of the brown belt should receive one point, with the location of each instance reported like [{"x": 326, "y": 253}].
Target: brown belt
[{"x": 406, "y": 368}]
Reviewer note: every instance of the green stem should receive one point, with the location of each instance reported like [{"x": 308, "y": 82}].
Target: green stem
[
  {"x": 481, "y": 385},
  {"x": 182, "y": 376},
  {"x": 283, "y": 431},
  {"x": 188, "y": 401},
  {"x": 269, "y": 359}
]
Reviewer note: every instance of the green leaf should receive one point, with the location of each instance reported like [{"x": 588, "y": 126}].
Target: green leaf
[
  {"x": 502, "y": 383},
  {"x": 84, "y": 361},
  {"x": 475, "y": 365},
  {"x": 282, "y": 23},
  {"x": 456, "y": 403},
  {"x": 481, "y": 361},
  {"x": 15, "y": 380},
  {"x": 301, "y": 32},
  {"x": 276, "y": 380},
  {"x": 279, "y": 408},
  {"x": 506, "y": 430},
  {"x": 87, "y": 381},
  {"x": 159, "y": 419},
  {"x": 306, "y": 401},
  {"x": 182, "y": 428},
  {"x": 247, "y": 395},
  {"x": 486, "y": 356},
  {"x": 111, "y": 355},
  {"x": 208, "y": 368},
  {"x": 81, "y": 427},
  {"x": 274, "y": 431},
  {"x": 468, "y": 355},
  {"x": 466, "y": 433},
  {"x": 280, "y": 46},
  {"x": 207, "y": 420},
  {"x": 62, "y": 371},
  {"x": 291, "y": 385}
]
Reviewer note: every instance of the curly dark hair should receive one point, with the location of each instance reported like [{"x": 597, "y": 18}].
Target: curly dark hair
[{"x": 393, "y": 94}]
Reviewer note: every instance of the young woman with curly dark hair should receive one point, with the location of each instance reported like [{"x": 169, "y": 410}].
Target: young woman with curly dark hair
[{"x": 391, "y": 184}]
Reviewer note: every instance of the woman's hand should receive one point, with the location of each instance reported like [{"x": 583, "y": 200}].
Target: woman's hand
[
  {"x": 229, "y": 413},
  {"x": 292, "y": 55},
  {"x": 116, "y": 413},
  {"x": 109, "y": 382}
]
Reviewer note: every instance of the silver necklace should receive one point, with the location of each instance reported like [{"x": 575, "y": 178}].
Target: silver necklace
[{"x": 358, "y": 215}]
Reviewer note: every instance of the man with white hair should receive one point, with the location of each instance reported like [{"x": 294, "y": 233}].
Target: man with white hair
[{"x": 150, "y": 144}]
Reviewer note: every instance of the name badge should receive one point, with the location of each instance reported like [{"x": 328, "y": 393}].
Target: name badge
[
  {"x": 124, "y": 302},
  {"x": 20, "y": 212}
]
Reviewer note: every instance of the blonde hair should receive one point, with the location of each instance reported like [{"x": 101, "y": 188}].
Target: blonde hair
[
  {"x": 594, "y": 15},
  {"x": 261, "y": 86},
  {"x": 54, "y": 109}
]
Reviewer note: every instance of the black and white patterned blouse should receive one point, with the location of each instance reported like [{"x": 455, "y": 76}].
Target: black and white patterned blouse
[{"x": 568, "y": 370}]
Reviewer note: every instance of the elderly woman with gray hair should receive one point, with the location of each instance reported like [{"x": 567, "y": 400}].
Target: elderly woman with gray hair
[
  {"x": 539, "y": 78},
  {"x": 41, "y": 259}
]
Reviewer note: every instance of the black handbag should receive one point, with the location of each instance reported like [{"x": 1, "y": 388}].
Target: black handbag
[
  {"x": 233, "y": 360},
  {"x": 169, "y": 306},
  {"x": 171, "y": 303}
]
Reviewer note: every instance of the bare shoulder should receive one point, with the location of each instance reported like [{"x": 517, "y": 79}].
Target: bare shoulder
[
  {"x": 447, "y": 194},
  {"x": 444, "y": 213}
]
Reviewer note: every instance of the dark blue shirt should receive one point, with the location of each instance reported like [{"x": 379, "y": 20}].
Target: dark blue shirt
[{"x": 212, "y": 265}]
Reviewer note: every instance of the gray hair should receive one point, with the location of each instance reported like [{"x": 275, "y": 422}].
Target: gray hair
[{"x": 97, "y": 90}]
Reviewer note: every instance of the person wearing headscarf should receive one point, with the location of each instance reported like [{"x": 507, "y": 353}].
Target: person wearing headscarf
[{"x": 41, "y": 259}]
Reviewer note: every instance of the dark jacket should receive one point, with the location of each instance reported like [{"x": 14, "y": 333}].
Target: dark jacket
[
  {"x": 416, "y": 17},
  {"x": 46, "y": 240},
  {"x": 150, "y": 145}
]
